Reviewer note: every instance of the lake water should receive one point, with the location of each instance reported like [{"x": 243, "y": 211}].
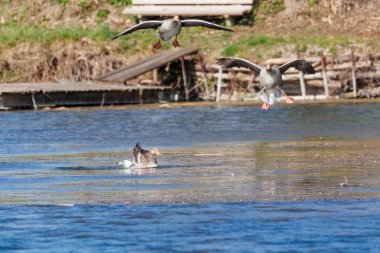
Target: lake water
[{"x": 230, "y": 179}]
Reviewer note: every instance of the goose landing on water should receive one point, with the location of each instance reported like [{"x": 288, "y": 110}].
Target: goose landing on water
[
  {"x": 141, "y": 158},
  {"x": 270, "y": 77},
  {"x": 170, "y": 28}
]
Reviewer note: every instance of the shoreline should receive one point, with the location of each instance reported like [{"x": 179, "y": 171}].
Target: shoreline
[{"x": 169, "y": 105}]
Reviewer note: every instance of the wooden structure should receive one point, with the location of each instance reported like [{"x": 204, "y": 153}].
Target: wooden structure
[
  {"x": 345, "y": 76},
  {"x": 148, "y": 64},
  {"x": 41, "y": 95},
  {"x": 188, "y": 8},
  {"x": 107, "y": 89}
]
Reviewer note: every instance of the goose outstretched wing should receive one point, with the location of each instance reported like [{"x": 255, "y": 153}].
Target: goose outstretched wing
[
  {"x": 150, "y": 24},
  {"x": 300, "y": 65},
  {"x": 230, "y": 62},
  {"x": 199, "y": 22}
]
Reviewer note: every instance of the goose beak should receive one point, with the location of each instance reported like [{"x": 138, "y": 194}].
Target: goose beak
[{"x": 176, "y": 18}]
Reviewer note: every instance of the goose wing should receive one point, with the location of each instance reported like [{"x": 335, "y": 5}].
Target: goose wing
[
  {"x": 137, "y": 153},
  {"x": 150, "y": 24},
  {"x": 199, "y": 22},
  {"x": 141, "y": 156},
  {"x": 146, "y": 156},
  {"x": 300, "y": 65},
  {"x": 230, "y": 62}
]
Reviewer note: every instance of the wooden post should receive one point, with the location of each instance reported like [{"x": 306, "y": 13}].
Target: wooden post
[
  {"x": 229, "y": 20},
  {"x": 219, "y": 84},
  {"x": 155, "y": 76},
  {"x": 103, "y": 99},
  {"x": 302, "y": 81},
  {"x": 185, "y": 84},
  {"x": 34, "y": 102},
  {"x": 324, "y": 75},
  {"x": 354, "y": 82},
  {"x": 141, "y": 93},
  {"x": 232, "y": 75},
  {"x": 204, "y": 72}
]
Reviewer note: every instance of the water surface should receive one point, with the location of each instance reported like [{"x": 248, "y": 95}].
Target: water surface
[{"x": 233, "y": 178}]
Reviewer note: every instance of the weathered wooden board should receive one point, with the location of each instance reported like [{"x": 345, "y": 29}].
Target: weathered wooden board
[
  {"x": 146, "y": 65},
  {"x": 191, "y": 2},
  {"x": 68, "y": 86},
  {"x": 37, "y": 95},
  {"x": 190, "y": 10}
]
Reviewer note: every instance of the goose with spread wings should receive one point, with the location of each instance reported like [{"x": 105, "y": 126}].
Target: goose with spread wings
[
  {"x": 141, "y": 158},
  {"x": 170, "y": 28},
  {"x": 145, "y": 158},
  {"x": 270, "y": 77}
]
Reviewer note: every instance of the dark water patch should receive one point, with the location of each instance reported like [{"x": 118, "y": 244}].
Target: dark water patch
[{"x": 89, "y": 168}]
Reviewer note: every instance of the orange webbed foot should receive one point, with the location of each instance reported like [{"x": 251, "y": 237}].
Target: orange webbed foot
[
  {"x": 156, "y": 46},
  {"x": 175, "y": 43},
  {"x": 265, "y": 106},
  {"x": 289, "y": 100}
]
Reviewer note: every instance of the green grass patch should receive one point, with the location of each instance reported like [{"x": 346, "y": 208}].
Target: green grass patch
[
  {"x": 119, "y": 3},
  {"x": 102, "y": 14},
  {"x": 243, "y": 44},
  {"x": 11, "y": 34}
]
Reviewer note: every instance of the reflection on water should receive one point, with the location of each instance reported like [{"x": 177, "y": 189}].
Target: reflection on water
[
  {"x": 314, "y": 168},
  {"x": 137, "y": 171}
]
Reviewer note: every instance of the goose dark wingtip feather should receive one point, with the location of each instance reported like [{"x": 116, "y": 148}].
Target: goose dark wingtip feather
[{"x": 224, "y": 62}]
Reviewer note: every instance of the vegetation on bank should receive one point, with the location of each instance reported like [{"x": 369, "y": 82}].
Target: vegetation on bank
[
  {"x": 37, "y": 30},
  {"x": 231, "y": 44}
]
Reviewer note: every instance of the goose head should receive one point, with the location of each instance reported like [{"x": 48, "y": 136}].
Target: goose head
[{"x": 155, "y": 152}]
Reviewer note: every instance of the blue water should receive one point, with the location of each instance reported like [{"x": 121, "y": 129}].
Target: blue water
[
  {"x": 317, "y": 226},
  {"x": 103, "y": 130},
  {"x": 232, "y": 199}
]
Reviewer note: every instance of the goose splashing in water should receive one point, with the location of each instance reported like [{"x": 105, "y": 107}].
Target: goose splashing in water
[{"x": 141, "y": 158}]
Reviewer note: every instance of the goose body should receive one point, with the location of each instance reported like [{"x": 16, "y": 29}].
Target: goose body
[
  {"x": 141, "y": 158},
  {"x": 127, "y": 164},
  {"x": 169, "y": 29},
  {"x": 144, "y": 158}
]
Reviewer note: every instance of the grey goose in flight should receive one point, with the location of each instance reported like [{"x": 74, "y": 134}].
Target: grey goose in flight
[
  {"x": 270, "y": 77},
  {"x": 170, "y": 28}
]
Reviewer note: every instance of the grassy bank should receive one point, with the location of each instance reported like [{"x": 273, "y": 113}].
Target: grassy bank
[
  {"x": 244, "y": 41},
  {"x": 35, "y": 34}
]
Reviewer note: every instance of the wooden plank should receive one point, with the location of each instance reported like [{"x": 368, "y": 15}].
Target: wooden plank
[
  {"x": 184, "y": 77},
  {"x": 353, "y": 73},
  {"x": 219, "y": 84},
  {"x": 88, "y": 98},
  {"x": 192, "y": 2},
  {"x": 200, "y": 10},
  {"x": 280, "y": 61},
  {"x": 146, "y": 65},
  {"x": 26, "y": 88},
  {"x": 324, "y": 75},
  {"x": 302, "y": 79},
  {"x": 113, "y": 72}
]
